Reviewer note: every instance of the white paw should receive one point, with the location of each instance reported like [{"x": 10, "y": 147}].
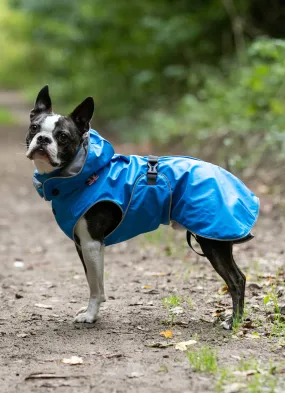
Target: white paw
[
  {"x": 85, "y": 317},
  {"x": 227, "y": 325}
]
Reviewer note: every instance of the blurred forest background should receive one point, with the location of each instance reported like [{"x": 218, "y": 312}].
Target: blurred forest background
[{"x": 204, "y": 78}]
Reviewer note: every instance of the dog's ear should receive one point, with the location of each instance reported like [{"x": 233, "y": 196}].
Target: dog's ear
[
  {"x": 82, "y": 115},
  {"x": 42, "y": 104}
]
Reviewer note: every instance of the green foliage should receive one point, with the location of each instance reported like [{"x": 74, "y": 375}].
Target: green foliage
[
  {"x": 204, "y": 359},
  {"x": 236, "y": 112},
  {"x": 203, "y": 77},
  {"x": 172, "y": 301}
]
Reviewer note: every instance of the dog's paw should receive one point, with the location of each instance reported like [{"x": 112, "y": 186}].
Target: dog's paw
[
  {"x": 85, "y": 317},
  {"x": 227, "y": 324}
]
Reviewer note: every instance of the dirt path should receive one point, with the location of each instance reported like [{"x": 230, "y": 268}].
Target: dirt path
[{"x": 39, "y": 266}]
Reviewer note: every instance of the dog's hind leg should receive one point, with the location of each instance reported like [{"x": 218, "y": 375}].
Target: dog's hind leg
[{"x": 219, "y": 253}]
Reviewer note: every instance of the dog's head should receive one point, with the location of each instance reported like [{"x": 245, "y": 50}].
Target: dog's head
[{"x": 52, "y": 139}]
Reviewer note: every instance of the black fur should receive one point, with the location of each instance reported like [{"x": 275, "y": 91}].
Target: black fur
[{"x": 42, "y": 104}]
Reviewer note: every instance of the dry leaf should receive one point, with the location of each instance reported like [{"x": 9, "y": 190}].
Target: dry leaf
[
  {"x": 224, "y": 290},
  {"x": 135, "y": 374},
  {"x": 74, "y": 360},
  {"x": 146, "y": 286},
  {"x": 156, "y": 274},
  {"x": 159, "y": 345},
  {"x": 177, "y": 310},
  {"x": 47, "y": 306},
  {"x": 167, "y": 334},
  {"x": 252, "y": 336},
  {"x": 244, "y": 373},
  {"x": 43, "y": 375},
  {"x": 235, "y": 388},
  {"x": 183, "y": 345},
  {"x": 19, "y": 264},
  {"x": 151, "y": 292}
]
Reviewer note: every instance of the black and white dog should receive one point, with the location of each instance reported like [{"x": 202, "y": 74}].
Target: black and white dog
[{"x": 52, "y": 142}]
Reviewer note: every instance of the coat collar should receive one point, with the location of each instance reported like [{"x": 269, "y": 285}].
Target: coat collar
[{"x": 92, "y": 156}]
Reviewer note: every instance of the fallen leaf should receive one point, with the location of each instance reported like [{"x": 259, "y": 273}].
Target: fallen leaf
[
  {"x": 139, "y": 303},
  {"x": 224, "y": 290},
  {"x": 248, "y": 324},
  {"x": 19, "y": 264},
  {"x": 177, "y": 310},
  {"x": 253, "y": 336},
  {"x": 152, "y": 292},
  {"x": 135, "y": 374},
  {"x": 146, "y": 287},
  {"x": 156, "y": 274},
  {"x": 74, "y": 360},
  {"x": 254, "y": 285},
  {"x": 167, "y": 334},
  {"x": 183, "y": 345},
  {"x": 113, "y": 355},
  {"x": 42, "y": 375},
  {"x": 246, "y": 373},
  {"x": 159, "y": 345},
  {"x": 234, "y": 388},
  {"x": 47, "y": 306}
]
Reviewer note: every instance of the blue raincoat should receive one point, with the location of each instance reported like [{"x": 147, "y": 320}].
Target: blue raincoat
[{"x": 204, "y": 198}]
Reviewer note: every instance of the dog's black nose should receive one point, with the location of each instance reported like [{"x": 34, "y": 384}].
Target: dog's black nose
[{"x": 43, "y": 140}]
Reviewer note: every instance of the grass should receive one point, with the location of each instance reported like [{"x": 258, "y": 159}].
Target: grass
[
  {"x": 6, "y": 117},
  {"x": 170, "y": 302},
  {"x": 204, "y": 359},
  {"x": 278, "y": 328},
  {"x": 166, "y": 240},
  {"x": 248, "y": 376}
]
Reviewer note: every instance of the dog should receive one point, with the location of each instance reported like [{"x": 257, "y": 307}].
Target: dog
[{"x": 101, "y": 198}]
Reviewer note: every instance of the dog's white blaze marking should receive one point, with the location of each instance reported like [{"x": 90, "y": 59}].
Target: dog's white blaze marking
[
  {"x": 43, "y": 166},
  {"x": 47, "y": 127},
  {"x": 93, "y": 255},
  {"x": 49, "y": 123}
]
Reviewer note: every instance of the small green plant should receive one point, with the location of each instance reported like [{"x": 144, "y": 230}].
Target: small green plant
[
  {"x": 272, "y": 297},
  {"x": 170, "y": 302},
  {"x": 163, "y": 369},
  {"x": 257, "y": 384},
  {"x": 237, "y": 322},
  {"x": 190, "y": 303},
  {"x": 249, "y": 373},
  {"x": 278, "y": 328},
  {"x": 204, "y": 360},
  {"x": 223, "y": 377}
]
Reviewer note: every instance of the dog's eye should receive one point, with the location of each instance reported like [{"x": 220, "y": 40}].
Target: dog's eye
[
  {"x": 34, "y": 128},
  {"x": 62, "y": 137}
]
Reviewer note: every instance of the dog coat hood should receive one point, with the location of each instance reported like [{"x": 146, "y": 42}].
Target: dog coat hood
[{"x": 203, "y": 198}]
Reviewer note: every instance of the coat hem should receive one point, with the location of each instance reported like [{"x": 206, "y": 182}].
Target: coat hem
[{"x": 224, "y": 240}]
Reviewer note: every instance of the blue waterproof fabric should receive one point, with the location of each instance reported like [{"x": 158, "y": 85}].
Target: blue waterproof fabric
[{"x": 202, "y": 197}]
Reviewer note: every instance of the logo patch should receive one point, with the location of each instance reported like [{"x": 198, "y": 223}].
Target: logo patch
[{"x": 92, "y": 179}]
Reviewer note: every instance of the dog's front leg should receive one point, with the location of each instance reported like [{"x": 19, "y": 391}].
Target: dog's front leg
[{"x": 92, "y": 253}]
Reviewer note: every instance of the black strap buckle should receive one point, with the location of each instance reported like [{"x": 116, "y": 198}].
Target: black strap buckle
[{"x": 152, "y": 170}]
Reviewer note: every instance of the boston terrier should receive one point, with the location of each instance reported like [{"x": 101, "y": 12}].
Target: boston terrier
[{"x": 101, "y": 198}]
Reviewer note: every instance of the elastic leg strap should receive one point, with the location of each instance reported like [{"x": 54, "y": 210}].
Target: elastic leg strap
[{"x": 188, "y": 237}]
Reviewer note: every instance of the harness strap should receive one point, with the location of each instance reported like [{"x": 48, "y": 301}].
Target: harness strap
[
  {"x": 188, "y": 237},
  {"x": 152, "y": 165}
]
